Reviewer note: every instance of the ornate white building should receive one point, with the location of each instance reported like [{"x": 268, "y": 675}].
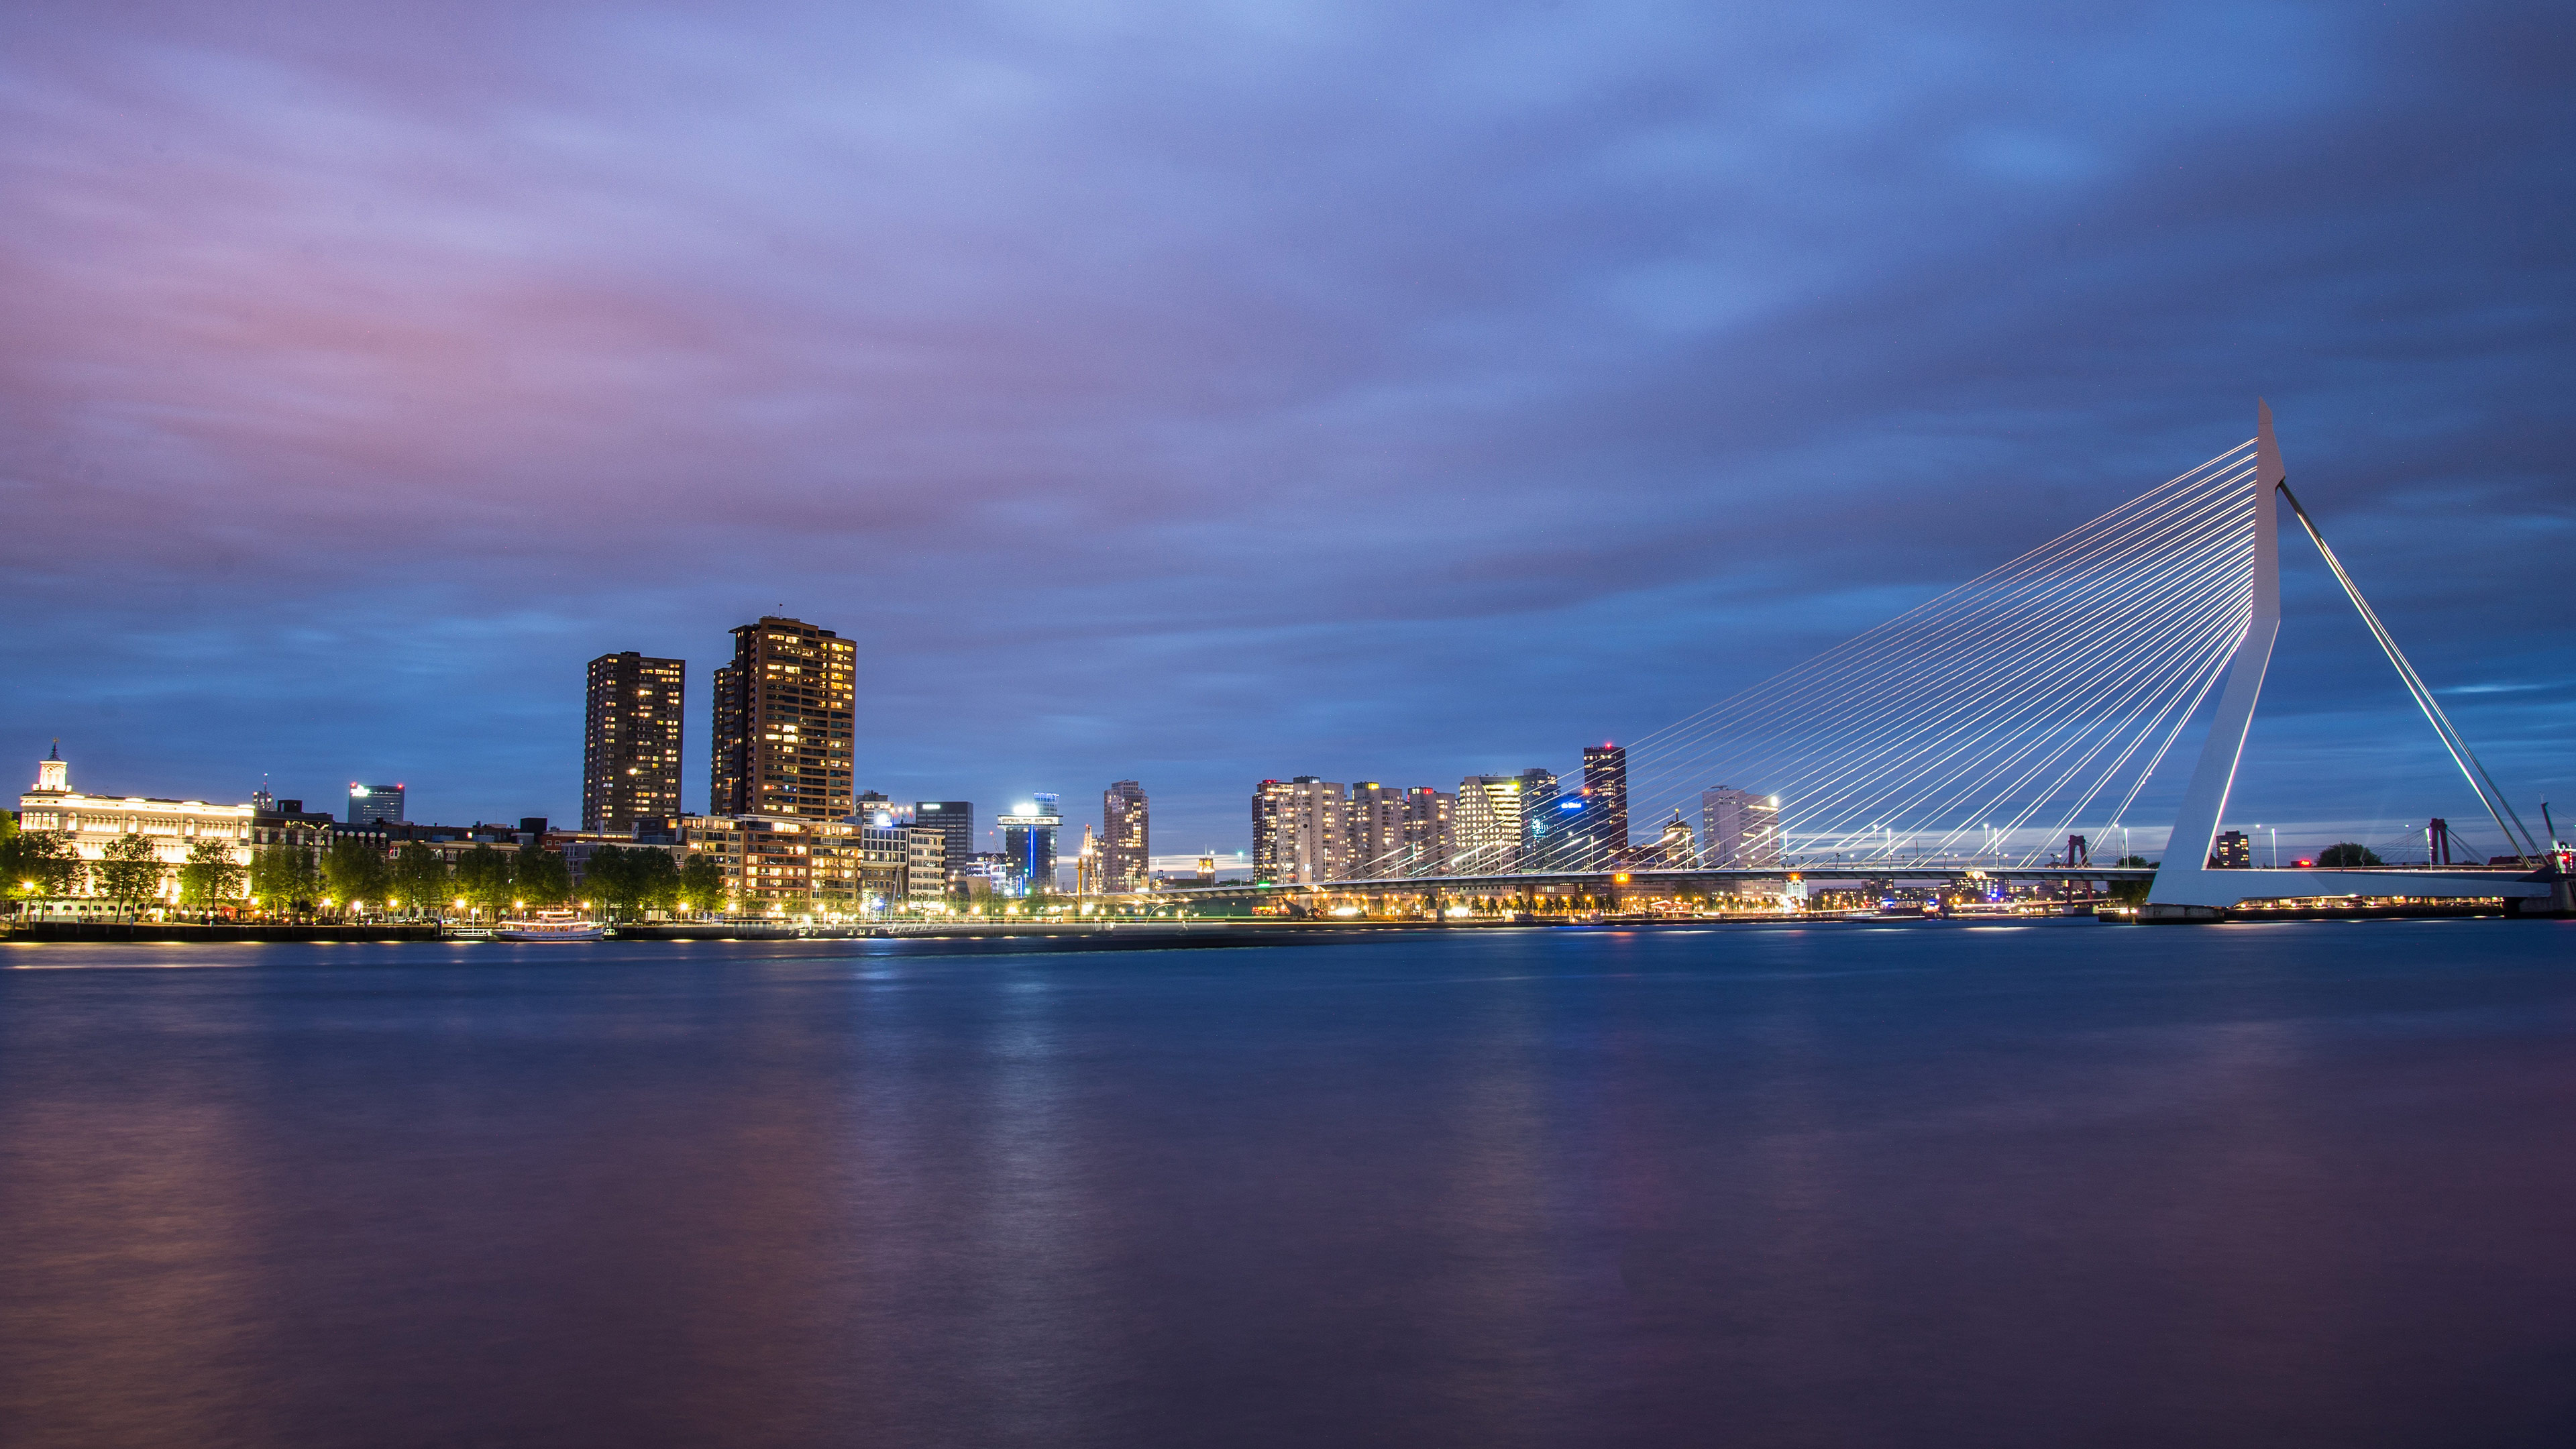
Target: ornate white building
[{"x": 89, "y": 822}]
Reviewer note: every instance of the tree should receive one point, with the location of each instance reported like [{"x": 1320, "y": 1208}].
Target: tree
[
  {"x": 483, "y": 878},
  {"x": 627, "y": 878},
  {"x": 282, "y": 877},
  {"x": 210, "y": 874},
  {"x": 2347, "y": 854},
  {"x": 609, "y": 879},
  {"x": 40, "y": 863},
  {"x": 701, "y": 884},
  {"x": 130, "y": 870},
  {"x": 353, "y": 870},
  {"x": 540, "y": 876},
  {"x": 418, "y": 878}
]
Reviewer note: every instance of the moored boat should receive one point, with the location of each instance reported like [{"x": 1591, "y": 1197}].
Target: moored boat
[{"x": 549, "y": 926}]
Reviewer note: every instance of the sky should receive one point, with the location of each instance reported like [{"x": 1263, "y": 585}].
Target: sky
[{"x": 1203, "y": 393}]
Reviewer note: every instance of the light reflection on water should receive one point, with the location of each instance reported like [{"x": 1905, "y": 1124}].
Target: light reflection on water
[{"x": 2046, "y": 1185}]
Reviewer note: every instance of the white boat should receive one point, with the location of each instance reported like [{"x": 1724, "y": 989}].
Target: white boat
[{"x": 549, "y": 926}]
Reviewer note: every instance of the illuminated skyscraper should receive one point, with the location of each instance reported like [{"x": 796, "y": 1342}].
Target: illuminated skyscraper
[
  {"x": 630, "y": 752},
  {"x": 782, "y": 723},
  {"x": 1605, "y": 804},
  {"x": 1126, "y": 838},
  {"x": 375, "y": 804},
  {"x": 1028, "y": 842}
]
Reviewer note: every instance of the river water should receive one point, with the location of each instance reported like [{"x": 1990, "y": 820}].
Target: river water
[{"x": 2041, "y": 1184}]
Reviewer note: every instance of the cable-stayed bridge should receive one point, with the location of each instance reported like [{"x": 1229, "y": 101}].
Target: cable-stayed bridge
[{"x": 2018, "y": 725}]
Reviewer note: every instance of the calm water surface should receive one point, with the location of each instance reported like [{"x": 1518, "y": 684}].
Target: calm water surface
[{"x": 2040, "y": 1185}]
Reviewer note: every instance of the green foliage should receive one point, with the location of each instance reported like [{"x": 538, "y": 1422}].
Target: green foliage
[
  {"x": 2348, "y": 854},
  {"x": 353, "y": 870},
  {"x": 40, "y": 863},
  {"x": 282, "y": 877},
  {"x": 210, "y": 874},
  {"x": 484, "y": 879},
  {"x": 130, "y": 870},
  {"x": 540, "y": 877},
  {"x": 419, "y": 878},
  {"x": 622, "y": 879},
  {"x": 701, "y": 886}
]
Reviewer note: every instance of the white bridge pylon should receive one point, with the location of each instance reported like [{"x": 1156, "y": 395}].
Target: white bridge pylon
[{"x": 2186, "y": 882}]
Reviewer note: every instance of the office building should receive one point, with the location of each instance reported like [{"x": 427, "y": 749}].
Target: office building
[
  {"x": 1488, "y": 825},
  {"x": 1738, "y": 830},
  {"x": 1605, "y": 805},
  {"x": 1028, "y": 842},
  {"x": 783, "y": 712},
  {"x": 925, "y": 876},
  {"x": 1298, "y": 832},
  {"x": 1126, "y": 838},
  {"x": 375, "y": 804},
  {"x": 953, "y": 819},
  {"x": 630, "y": 750},
  {"x": 2232, "y": 851},
  {"x": 1373, "y": 821},
  {"x": 1427, "y": 827}
]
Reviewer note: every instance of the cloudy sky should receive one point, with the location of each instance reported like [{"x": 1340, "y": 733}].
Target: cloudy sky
[{"x": 1199, "y": 393}]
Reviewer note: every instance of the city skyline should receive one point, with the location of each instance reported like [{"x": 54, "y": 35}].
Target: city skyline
[{"x": 1248, "y": 480}]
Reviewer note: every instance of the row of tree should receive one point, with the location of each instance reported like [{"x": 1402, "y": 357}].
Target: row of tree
[
  {"x": 620, "y": 879},
  {"x": 413, "y": 880}
]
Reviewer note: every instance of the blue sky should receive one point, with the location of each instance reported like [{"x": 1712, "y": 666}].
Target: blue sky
[{"x": 1203, "y": 393}]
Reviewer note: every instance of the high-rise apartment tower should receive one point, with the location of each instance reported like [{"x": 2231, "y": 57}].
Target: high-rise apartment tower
[
  {"x": 782, "y": 723},
  {"x": 1487, "y": 826},
  {"x": 1373, "y": 821},
  {"x": 630, "y": 747},
  {"x": 1298, "y": 834}
]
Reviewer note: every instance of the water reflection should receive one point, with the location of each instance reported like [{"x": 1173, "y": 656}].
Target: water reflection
[{"x": 1758, "y": 1187}]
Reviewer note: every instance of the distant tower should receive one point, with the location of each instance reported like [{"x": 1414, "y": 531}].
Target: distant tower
[
  {"x": 52, "y": 773},
  {"x": 1426, "y": 831},
  {"x": 1738, "y": 830},
  {"x": 1542, "y": 843},
  {"x": 1126, "y": 837},
  {"x": 1605, "y": 801},
  {"x": 955, "y": 820},
  {"x": 375, "y": 804},
  {"x": 1028, "y": 839},
  {"x": 1373, "y": 821}
]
